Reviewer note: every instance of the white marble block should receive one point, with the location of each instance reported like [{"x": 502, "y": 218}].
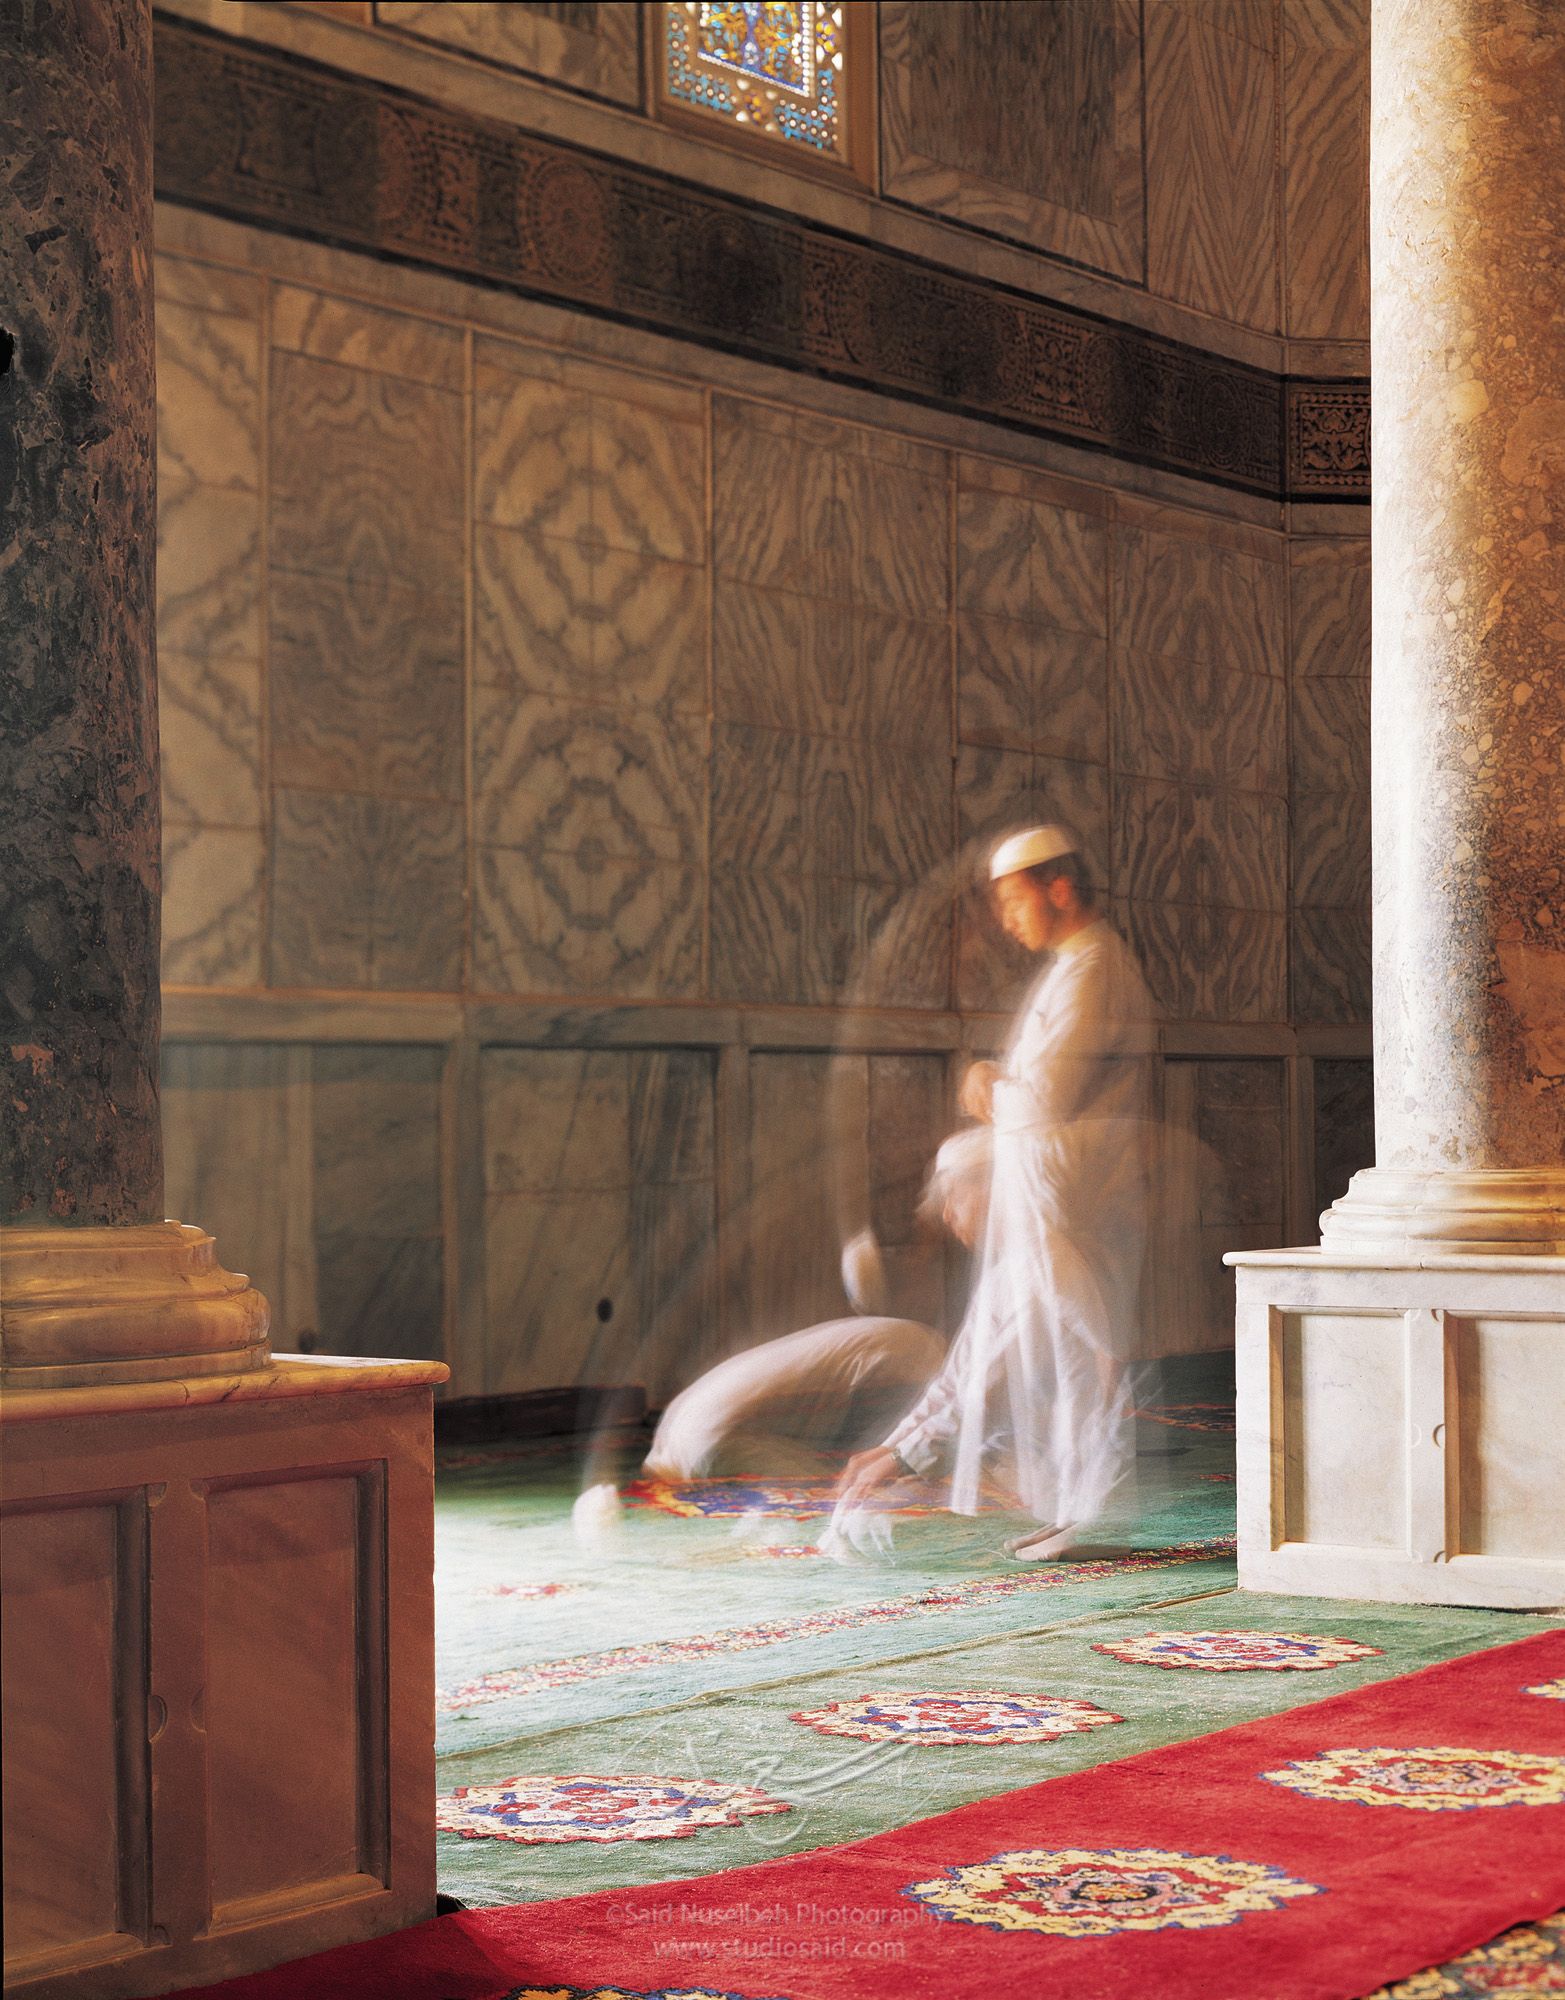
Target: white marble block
[{"x": 1401, "y": 1427}]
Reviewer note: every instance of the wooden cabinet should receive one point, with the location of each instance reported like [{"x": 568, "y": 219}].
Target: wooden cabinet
[{"x": 218, "y": 1673}]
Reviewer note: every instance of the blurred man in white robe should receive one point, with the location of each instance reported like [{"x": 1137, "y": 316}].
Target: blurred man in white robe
[
  {"x": 830, "y": 1387},
  {"x": 1032, "y": 1396}
]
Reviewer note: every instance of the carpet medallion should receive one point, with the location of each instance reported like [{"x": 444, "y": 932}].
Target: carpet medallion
[
  {"x": 955, "y": 1718},
  {"x": 1176, "y": 1872},
  {"x": 1099, "y": 1892},
  {"x": 1550, "y": 1690},
  {"x": 597, "y": 1808},
  {"x": 1528, "y": 1959},
  {"x": 1439, "y": 1779},
  {"x": 1236, "y": 1652}
]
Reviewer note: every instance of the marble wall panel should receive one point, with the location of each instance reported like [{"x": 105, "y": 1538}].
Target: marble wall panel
[
  {"x": 552, "y": 1264},
  {"x": 794, "y": 1222},
  {"x": 1188, "y": 596},
  {"x": 366, "y": 892},
  {"x": 209, "y": 403},
  {"x": 905, "y": 944},
  {"x": 566, "y": 778},
  {"x": 362, "y": 336},
  {"x": 209, "y": 572},
  {"x": 366, "y": 475},
  {"x": 380, "y": 1295},
  {"x": 209, "y": 729},
  {"x": 1331, "y": 851},
  {"x": 1023, "y": 121},
  {"x": 1344, "y": 1125},
  {"x": 757, "y": 923},
  {"x": 375, "y": 1119},
  {"x": 365, "y": 687},
  {"x": 1233, "y": 850},
  {"x": 1325, "y": 173},
  {"x": 755, "y": 810},
  {"x": 1239, "y": 1122},
  {"x": 212, "y": 893},
  {"x": 555, "y": 1118},
  {"x": 588, "y": 45},
  {"x": 1241, "y": 965},
  {"x": 586, "y": 923},
  {"x": 1331, "y": 965},
  {"x": 231, "y": 1149},
  {"x": 1190, "y": 719},
  {"x": 1329, "y": 587},
  {"x": 1172, "y": 946},
  {"x": 673, "y": 1236},
  {"x": 670, "y": 1112},
  {"x": 1211, "y": 149},
  {"x": 1331, "y": 735}
]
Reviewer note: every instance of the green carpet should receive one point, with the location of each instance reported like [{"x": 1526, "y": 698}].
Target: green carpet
[{"x": 674, "y": 1651}]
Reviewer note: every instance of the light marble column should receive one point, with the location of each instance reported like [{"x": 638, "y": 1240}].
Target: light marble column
[
  {"x": 1401, "y": 1389},
  {"x": 1468, "y": 731},
  {"x": 94, "y": 1284}
]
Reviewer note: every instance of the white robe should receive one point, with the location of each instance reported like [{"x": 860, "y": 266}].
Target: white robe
[{"x": 1031, "y": 1397}]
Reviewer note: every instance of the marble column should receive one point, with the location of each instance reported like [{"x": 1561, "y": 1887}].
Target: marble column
[
  {"x": 1468, "y": 730},
  {"x": 95, "y": 1281},
  {"x": 1399, "y": 1385}
]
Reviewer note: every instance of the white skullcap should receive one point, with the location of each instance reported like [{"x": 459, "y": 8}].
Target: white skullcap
[{"x": 1027, "y": 849}]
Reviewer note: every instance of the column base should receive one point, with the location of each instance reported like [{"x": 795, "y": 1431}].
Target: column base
[
  {"x": 83, "y": 1307},
  {"x": 1502, "y": 1212},
  {"x": 1399, "y": 1427}
]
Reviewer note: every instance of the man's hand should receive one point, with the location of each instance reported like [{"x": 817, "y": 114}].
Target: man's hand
[
  {"x": 976, "y": 1096},
  {"x": 865, "y": 1471}
]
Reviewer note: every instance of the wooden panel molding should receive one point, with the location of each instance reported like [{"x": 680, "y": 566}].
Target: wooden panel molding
[{"x": 272, "y": 140}]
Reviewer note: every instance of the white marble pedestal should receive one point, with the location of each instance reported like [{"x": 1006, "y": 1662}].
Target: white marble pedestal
[
  {"x": 218, "y": 1672},
  {"x": 1401, "y": 1427}
]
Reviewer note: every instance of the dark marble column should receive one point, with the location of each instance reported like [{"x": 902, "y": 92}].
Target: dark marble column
[{"x": 79, "y": 823}]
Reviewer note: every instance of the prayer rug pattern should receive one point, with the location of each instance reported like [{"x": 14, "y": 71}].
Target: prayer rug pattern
[
  {"x": 1371, "y": 1906},
  {"x": 1096, "y": 1892},
  {"x": 1437, "y": 1779},
  {"x": 621, "y": 1993},
  {"x": 528, "y": 1592},
  {"x": 1191, "y": 1416},
  {"x": 597, "y": 1808},
  {"x": 1237, "y": 1652},
  {"x": 505, "y": 1683},
  {"x": 1528, "y": 1959},
  {"x": 956, "y": 1718}
]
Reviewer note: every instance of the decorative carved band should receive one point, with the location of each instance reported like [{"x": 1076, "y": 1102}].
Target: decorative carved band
[{"x": 271, "y": 139}]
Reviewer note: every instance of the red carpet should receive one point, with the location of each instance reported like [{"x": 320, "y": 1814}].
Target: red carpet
[{"x": 1181, "y": 1874}]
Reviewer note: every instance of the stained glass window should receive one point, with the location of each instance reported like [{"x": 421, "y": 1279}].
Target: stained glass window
[{"x": 771, "y": 69}]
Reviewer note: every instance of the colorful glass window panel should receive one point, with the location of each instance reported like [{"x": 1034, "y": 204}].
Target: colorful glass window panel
[{"x": 766, "y": 66}]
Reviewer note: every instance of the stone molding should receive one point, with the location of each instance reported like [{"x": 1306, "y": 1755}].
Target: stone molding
[
  {"x": 1502, "y": 1211},
  {"x": 85, "y": 1307},
  {"x": 276, "y": 141}
]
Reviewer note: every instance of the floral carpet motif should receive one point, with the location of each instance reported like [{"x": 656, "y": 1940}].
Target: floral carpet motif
[
  {"x": 589, "y": 1808},
  {"x": 506, "y": 1683},
  {"x": 956, "y": 1718},
  {"x": 779, "y": 1551},
  {"x": 1550, "y": 1690},
  {"x": 1236, "y": 1652},
  {"x": 1528, "y": 1959},
  {"x": 1096, "y": 1892},
  {"x": 1438, "y": 1779},
  {"x": 789, "y": 1499}
]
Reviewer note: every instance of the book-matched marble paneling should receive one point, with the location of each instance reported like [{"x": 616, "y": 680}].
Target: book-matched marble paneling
[
  {"x": 318, "y": 1171},
  {"x": 365, "y": 608},
  {"x": 830, "y": 791},
  {"x": 1324, "y": 66},
  {"x": 1211, "y": 157},
  {"x": 1022, "y": 120},
  {"x": 1200, "y": 754},
  {"x": 599, "y": 1217},
  {"x": 1329, "y": 589},
  {"x": 589, "y": 725},
  {"x": 588, "y": 45},
  {"x": 208, "y": 326}
]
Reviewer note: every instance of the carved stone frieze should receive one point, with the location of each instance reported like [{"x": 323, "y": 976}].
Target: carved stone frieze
[{"x": 270, "y": 139}]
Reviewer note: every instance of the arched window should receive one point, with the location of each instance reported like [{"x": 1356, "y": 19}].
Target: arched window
[{"x": 787, "y": 77}]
